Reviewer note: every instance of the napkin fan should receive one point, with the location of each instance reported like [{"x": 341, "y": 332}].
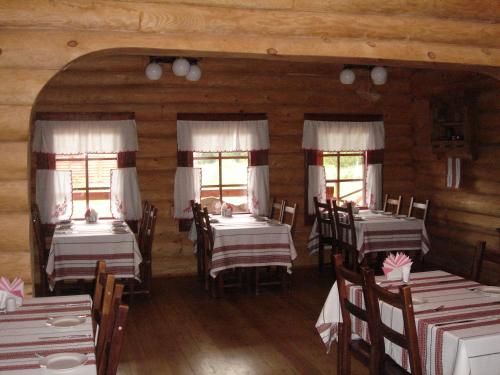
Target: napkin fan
[
  {"x": 394, "y": 264},
  {"x": 14, "y": 289}
]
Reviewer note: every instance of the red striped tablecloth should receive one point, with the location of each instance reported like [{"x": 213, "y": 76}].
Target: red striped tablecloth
[
  {"x": 243, "y": 241},
  {"x": 74, "y": 253},
  {"x": 24, "y": 334},
  {"x": 377, "y": 232},
  {"x": 461, "y": 338}
]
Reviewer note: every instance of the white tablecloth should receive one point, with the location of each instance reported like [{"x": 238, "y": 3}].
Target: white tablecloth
[
  {"x": 377, "y": 232},
  {"x": 74, "y": 253},
  {"x": 469, "y": 346},
  {"x": 243, "y": 241},
  {"x": 24, "y": 333}
]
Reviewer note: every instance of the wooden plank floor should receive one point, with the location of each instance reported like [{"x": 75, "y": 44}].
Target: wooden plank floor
[{"x": 181, "y": 330}]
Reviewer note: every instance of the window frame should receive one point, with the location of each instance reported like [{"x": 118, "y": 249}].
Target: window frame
[
  {"x": 220, "y": 158},
  {"x": 87, "y": 189},
  {"x": 338, "y": 155}
]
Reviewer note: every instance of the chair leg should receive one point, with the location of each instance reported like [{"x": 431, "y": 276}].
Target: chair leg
[
  {"x": 284, "y": 279},
  {"x": 320, "y": 257},
  {"x": 131, "y": 289}
]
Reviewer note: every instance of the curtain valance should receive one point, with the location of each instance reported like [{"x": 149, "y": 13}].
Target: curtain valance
[
  {"x": 76, "y": 137},
  {"x": 343, "y": 135},
  {"x": 221, "y": 136}
]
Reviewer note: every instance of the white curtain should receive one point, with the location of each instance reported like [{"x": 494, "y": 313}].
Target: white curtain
[
  {"x": 453, "y": 173},
  {"x": 187, "y": 187},
  {"x": 258, "y": 189},
  {"x": 125, "y": 194},
  {"x": 374, "y": 186},
  {"x": 76, "y": 137},
  {"x": 221, "y": 136},
  {"x": 316, "y": 186},
  {"x": 343, "y": 135},
  {"x": 54, "y": 195}
]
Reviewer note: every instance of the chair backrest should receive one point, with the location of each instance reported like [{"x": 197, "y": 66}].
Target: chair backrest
[
  {"x": 42, "y": 252},
  {"x": 146, "y": 207},
  {"x": 422, "y": 207},
  {"x": 346, "y": 233},
  {"x": 207, "y": 231},
  {"x": 481, "y": 255},
  {"x": 324, "y": 218},
  {"x": 277, "y": 210},
  {"x": 408, "y": 339},
  {"x": 147, "y": 244},
  {"x": 393, "y": 205},
  {"x": 114, "y": 345},
  {"x": 288, "y": 217},
  {"x": 197, "y": 220},
  {"x": 106, "y": 326},
  {"x": 347, "y": 308},
  {"x": 100, "y": 284}
]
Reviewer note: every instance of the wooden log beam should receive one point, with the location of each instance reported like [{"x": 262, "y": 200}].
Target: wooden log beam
[{"x": 175, "y": 18}]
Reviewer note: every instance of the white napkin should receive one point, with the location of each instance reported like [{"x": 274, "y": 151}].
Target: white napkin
[{"x": 13, "y": 289}]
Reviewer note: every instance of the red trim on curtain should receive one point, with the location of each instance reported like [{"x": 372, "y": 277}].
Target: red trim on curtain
[
  {"x": 259, "y": 157},
  {"x": 45, "y": 161},
  {"x": 185, "y": 158},
  {"x": 126, "y": 159},
  {"x": 375, "y": 156}
]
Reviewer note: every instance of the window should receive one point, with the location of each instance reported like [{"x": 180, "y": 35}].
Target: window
[
  {"x": 224, "y": 179},
  {"x": 345, "y": 176},
  {"x": 91, "y": 178}
]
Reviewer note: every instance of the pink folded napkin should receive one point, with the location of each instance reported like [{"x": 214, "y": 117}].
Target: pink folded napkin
[
  {"x": 394, "y": 264},
  {"x": 13, "y": 289}
]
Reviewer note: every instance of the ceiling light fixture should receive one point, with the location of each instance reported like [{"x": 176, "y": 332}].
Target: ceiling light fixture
[
  {"x": 181, "y": 67},
  {"x": 378, "y": 74}
]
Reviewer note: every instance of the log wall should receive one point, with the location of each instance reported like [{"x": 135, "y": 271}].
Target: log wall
[
  {"x": 282, "y": 90},
  {"x": 460, "y": 217}
]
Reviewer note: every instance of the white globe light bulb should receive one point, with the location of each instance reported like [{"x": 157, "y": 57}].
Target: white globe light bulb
[
  {"x": 379, "y": 75},
  {"x": 194, "y": 73},
  {"x": 347, "y": 77},
  {"x": 154, "y": 71},
  {"x": 180, "y": 67}
]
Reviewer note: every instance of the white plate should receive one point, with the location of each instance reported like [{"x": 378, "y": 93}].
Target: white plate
[
  {"x": 61, "y": 222},
  {"x": 410, "y": 218},
  {"x": 120, "y": 230},
  {"x": 63, "y": 362},
  {"x": 401, "y": 216},
  {"x": 66, "y": 321},
  {"x": 489, "y": 290}
]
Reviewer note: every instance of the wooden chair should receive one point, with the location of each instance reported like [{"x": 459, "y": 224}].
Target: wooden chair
[
  {"x": 146, "y": 207},
  {"x": 223, "y": 279},
  {"x": 407, "y": 340},
  {"x": 197, "y": 221},
  {"x": 113, "y": 347},
  {"x": 146, "y": 252},
  {"x": 346, "y": 233},
  {"x": 288, "y": 217},
  {"x": 42, "y": 251},
  {"x": 104, "y": 338},
  {"x": 97, "y": 301},
  {"x": 481, "y": 255},
  {"x": 422, "y": 207},
  {"x": 326, "y": 237},
  {"x": 393, "y": 205},
  {"x": 277, "y": 209},
  {"x": 363, "y": 351}
]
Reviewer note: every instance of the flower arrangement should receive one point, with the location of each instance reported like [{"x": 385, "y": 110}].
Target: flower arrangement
[{"x": 91, "y": 215}]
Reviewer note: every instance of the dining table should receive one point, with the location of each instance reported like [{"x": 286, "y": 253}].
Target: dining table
[
  {"x": 48, "y": 335},
  {"x": 457, "y": 322},
  {"x": 379, "y": 231},
  {"x": 245, "y": 240},
  {"x": 77, "y": 246}
]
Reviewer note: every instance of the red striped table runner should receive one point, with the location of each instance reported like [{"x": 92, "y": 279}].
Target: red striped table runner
[
  {"x": 74, "y": 254},
  {"x": 245, "y": 242},
  {"x": 460, "y": 338},
  {"x": 24, "y": 334}
]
